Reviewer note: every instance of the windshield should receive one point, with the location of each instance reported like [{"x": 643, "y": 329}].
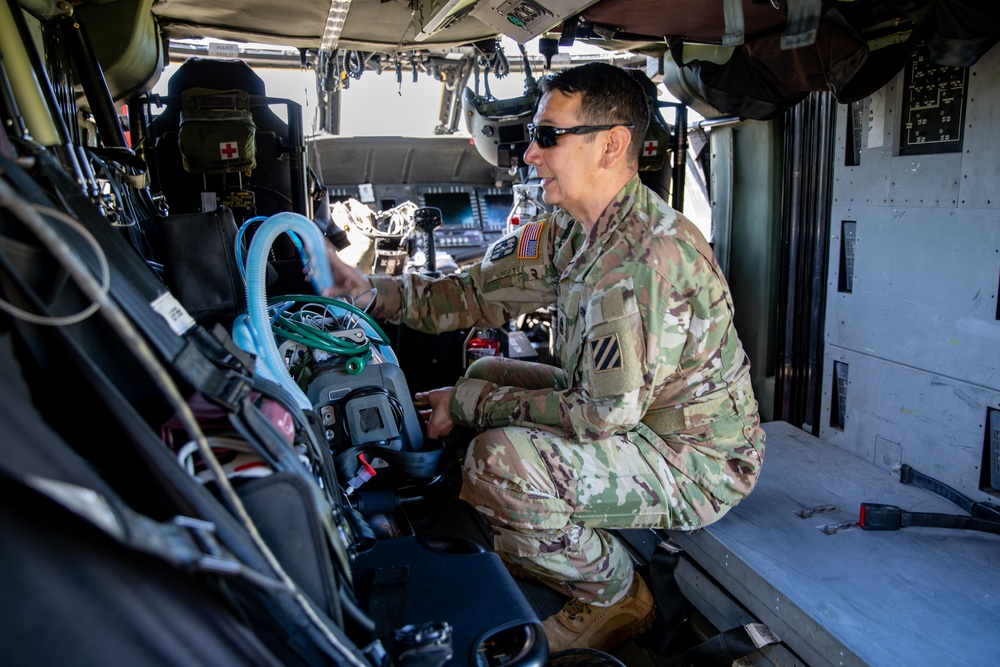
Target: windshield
[{"x": 380, "y": 105}]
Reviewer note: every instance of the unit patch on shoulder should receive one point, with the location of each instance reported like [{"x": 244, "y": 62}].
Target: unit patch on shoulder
[
  {"x": 528, "y": 247},
  {"x": 606, "y": 353},
  {"x": 503, "y": 248}
]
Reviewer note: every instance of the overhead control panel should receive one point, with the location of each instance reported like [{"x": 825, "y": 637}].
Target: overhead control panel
[
  {"x": 435, "y": 15},
  {"x": 523, "y": 20}
]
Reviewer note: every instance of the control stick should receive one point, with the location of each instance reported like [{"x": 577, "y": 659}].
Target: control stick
[{"x": 428, "y": 219}]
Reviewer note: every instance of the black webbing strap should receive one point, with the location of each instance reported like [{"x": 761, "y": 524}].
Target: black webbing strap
[
  {"x": 984, "y": 517},
  {"x": 725, "y": 648},
  {"x": 418, "y": 465},
  {"x": 979, "y": 509},
  {"x": 876, "y": 516},
  {"x": 720, "y": 650},
  {"x": 183, "y": 542},
  {"x": 670, "y": 601}
]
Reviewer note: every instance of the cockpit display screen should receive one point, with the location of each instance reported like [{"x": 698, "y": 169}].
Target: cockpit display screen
[
  {"x": 496, "y": 209},
  {"x": 456, "y": 207}
]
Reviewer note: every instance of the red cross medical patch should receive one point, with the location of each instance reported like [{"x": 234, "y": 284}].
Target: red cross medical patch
[{"x": 229, "y": 150}]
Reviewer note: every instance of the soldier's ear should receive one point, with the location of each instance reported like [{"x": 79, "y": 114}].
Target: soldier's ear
[{"x": 617, "y": 143}]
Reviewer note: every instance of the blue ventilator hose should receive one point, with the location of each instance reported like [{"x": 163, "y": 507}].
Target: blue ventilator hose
[{"x": 252, "y": 331}]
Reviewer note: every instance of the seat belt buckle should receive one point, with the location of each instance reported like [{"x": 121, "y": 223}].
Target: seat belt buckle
[
  {"x": 205, "y": 554},
  {"x": 224, "y": 387},
  {"x": 875, "y": 516}
]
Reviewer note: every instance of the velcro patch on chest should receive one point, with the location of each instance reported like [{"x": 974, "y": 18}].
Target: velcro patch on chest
[{"x": 606, "y": 353}]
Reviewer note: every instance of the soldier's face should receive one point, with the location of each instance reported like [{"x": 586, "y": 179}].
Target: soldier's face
[{"x": 566, "y": 169}]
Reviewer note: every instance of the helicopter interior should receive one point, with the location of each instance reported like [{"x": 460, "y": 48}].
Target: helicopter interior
[{"x": 202, "y": 493}]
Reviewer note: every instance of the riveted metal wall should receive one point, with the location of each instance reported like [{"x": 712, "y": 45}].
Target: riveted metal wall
[{"x": 916, "y": 333}]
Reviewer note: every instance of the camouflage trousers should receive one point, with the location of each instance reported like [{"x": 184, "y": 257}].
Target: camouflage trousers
[{"x": 550, "y": 501}]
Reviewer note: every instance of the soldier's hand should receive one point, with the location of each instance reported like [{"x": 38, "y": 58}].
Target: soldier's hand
[
  {"x": 436, "y": 414},
  {"x": 347, "y": 279}
]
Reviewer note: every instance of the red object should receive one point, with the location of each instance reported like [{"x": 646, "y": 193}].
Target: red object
[
  {"x": 482, "y": 347},
  {"x": 368, "y": 469}
]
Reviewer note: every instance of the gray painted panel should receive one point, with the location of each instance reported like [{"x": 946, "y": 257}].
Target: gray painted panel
[
  {"x": 919, "y": 331},
  {"x": 925, "y": 290},
  {"x": 396, "y": 160},
  {"x": 900, "y": 414},
  {"x": 925, "y": 180},
  {"x": 918, "y": 596},
  {"x": 981, "y": 166},
  {"x": 722, "y": 194},
  {"x": 868, "y": 182}
]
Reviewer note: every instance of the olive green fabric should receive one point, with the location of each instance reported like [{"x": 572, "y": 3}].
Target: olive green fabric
[{"x": 217, "y": 132}]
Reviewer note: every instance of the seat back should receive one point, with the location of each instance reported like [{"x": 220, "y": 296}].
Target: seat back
[
  {"x": 218, "y": 144},
  {"x": 272, "y": 183},
  {"x": 658, "y": 142}
]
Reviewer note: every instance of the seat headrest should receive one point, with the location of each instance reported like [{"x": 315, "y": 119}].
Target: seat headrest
[{"x": 218, "y": 74}]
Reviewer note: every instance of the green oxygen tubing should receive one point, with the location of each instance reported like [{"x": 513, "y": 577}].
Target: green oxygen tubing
[{"x": 309, "y": 328}]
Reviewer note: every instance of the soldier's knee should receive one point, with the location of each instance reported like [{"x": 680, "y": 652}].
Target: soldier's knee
[
  {"x": 508, "y": 459},
  {"x": 506, "y": 480},
  {"x": 485, "y": 452},
  {"x": 486, "y": 368}
]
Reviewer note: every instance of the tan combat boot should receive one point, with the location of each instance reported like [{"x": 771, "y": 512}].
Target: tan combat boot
[{"x": 582, "y": 625}]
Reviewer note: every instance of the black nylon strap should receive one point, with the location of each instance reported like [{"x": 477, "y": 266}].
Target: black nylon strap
[
  {"x": 419, "y": 465},
  {"x": 184, "y": 542},
  {"x": 720, "y": 650},
  {"x": 982, "y": 510},
  {"x": 876, "y": 516}
]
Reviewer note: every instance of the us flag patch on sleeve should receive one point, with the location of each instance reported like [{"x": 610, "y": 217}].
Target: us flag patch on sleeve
[
  {"x": 606, "y": 353},
  {"x": 528, "y": 247}
]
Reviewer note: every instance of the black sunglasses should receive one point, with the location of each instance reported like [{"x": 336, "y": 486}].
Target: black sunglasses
[{"x": 546, "y": 135}]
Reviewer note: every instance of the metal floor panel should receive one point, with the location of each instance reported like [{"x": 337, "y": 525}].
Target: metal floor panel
[{"x": 838, "y": 595}]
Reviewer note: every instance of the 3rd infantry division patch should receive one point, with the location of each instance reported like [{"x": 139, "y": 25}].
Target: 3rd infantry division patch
[{"x": 606, "y": 353}]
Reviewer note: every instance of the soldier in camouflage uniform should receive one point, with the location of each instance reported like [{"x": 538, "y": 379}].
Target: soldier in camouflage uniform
[{"x": 649, "y": 420}]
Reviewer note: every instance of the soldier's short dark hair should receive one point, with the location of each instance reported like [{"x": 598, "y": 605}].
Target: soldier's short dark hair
[{"x": 610, "y": 96}]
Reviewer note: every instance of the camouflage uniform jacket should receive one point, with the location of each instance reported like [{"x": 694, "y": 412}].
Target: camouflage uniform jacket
[{"x": 645, "y": 322}]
